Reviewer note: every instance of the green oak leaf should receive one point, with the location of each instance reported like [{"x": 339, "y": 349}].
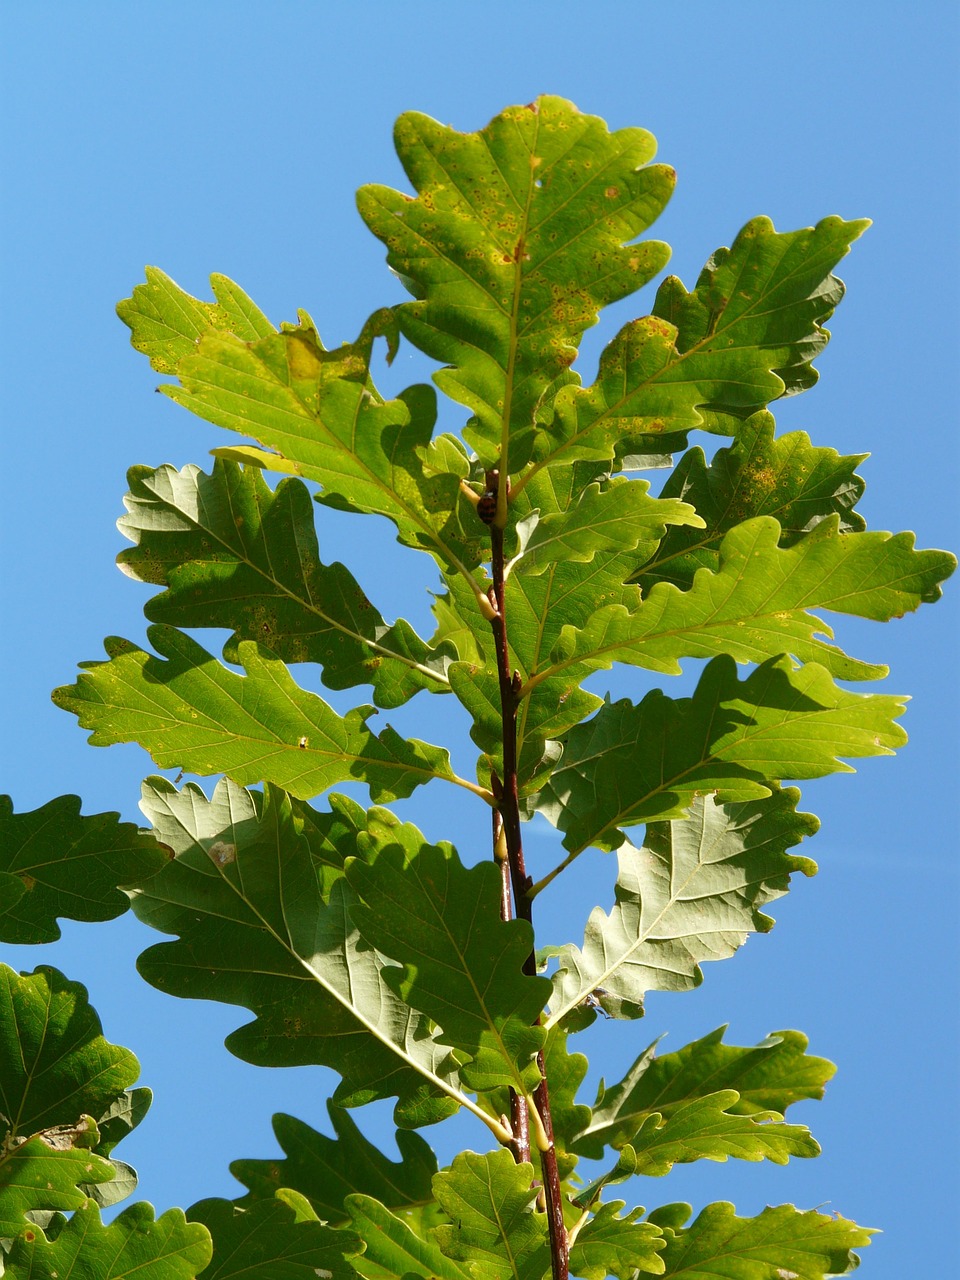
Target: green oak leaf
[
  {"x": 693, "y": 892},
  {"x": 760, "y": 474},
  {"x": 781, "y": 1243},
  {"x": 756, "y": 604},
  {"x": 393, "y": 1250},
  {"x": 165, "y": 322},
  {"x": 55, "y": 1064},
  {"x": 637, "y": 763},
  {"x": 620, "y": 516},
  {"x": 705, "y": 1129},
  {"x": 270, "y": 1240},
  {"x": 328, "y": 1170},
  {"x": 264, "y": 923},
  {"x": 132, "y": 1247},
  {"x": 49, "y": 1172},
  {"x": 611, "y": 1244},
  {"x": 494, "y": 1229},
  {"x": 321, "y": 419},
  {"x": 460, "y": 963},
  {"x": 520, "y": 233},
  {"x": 565, "y": 1072},
  {"x": 745, "y": 336},
  {"x": 232, "y": 552},
  {"x": 191, "y": 711},
  {"x": 54, "y": 862},
  {"x": 767, "y": 1078}
]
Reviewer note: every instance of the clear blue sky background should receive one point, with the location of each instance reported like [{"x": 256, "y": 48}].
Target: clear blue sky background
[{"x": 230, "y": 137}]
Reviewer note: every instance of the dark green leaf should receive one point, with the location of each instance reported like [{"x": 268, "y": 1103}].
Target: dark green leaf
[
  {"x": 758, "y": 475},
  {"x": 270, "y": 1241},
  {"x": 461, "y": 964},
  {"x": 768, "y": 1077},
  {"x": 191, "y": 711},
  {"x": 633, "y": 764},
  {"x": 327, "y": 1170},
  {"x": 53, "y": 862},
  {"x": 233, "y": 553},
  {"x": 520, "y": 234}
]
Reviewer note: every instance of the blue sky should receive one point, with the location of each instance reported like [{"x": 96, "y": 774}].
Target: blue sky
[{"x": 231, "y": 138}]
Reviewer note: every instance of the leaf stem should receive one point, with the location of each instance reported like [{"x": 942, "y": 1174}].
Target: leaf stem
[{"x": 507, "y": 794}]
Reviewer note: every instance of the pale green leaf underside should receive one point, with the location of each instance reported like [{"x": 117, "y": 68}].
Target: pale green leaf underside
[
  {"x": 693, "y": 892},
  {"x": 233, "y": 553},
  {"x": 258, "y": 927},
  {"x": 189, "y": 711}
]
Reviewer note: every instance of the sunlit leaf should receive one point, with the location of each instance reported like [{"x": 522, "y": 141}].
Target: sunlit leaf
[
  {"x": 133, "y": 1247},
  {"x": 611, "y": 1244},
  {"x": 635, "y": 763},
  {"x": 393, "y": 1250},
  {"x": 519, "y": 235},
  {"x": 165, "y": 322},
  {"x": 768, "y": 1077},
  {"x": 780, "y": 1243},
  {"x": 758, "y": 475},
  {"x": 494, "y": 1228},
  {"x": 55, "y": 1064},
  {"x": 190, "y": 711}
]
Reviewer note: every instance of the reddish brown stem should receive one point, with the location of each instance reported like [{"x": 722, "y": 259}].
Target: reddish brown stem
[{"x": 507, "y": 794}]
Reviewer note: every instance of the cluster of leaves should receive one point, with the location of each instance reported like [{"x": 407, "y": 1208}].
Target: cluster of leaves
[{"x": 353, "y": 942}]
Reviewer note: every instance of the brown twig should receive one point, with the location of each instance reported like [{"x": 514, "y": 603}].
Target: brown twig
[{"x": 508, "y": 804}]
